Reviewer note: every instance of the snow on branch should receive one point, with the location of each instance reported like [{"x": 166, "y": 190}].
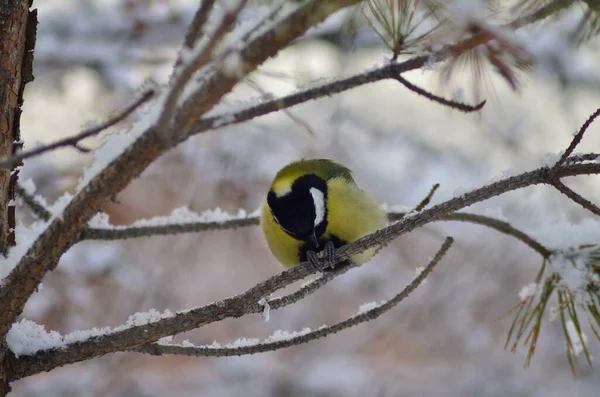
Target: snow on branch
[
  {"x": 282, "y": 339},
  {"x": 182, "y": 220}
]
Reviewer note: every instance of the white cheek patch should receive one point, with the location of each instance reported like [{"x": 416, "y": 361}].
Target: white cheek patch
[{"x": 319, "y": 201}]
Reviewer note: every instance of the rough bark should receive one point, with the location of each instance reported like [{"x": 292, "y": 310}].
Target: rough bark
[{"x": 17, "y": 39}]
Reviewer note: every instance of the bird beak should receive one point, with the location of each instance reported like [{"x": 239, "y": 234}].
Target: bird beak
[{"x": 313, "y": 239}]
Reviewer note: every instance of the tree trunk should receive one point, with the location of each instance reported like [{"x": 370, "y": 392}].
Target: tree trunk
[{"x": 17, "y": 39}]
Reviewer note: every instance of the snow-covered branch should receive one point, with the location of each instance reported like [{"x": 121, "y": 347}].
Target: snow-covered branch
[{"x": 285, "y": 339}]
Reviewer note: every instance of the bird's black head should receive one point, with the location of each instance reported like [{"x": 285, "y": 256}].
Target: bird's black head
[{"x": 301, "y": 210}]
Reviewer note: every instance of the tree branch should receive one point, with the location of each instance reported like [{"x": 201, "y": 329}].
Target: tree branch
[
  {"x": 159, "y": 349},
  {"x": 94, "y": 233},
  {"x": 190, "y": 69},
  {"x": 74, "y": 140},
  {"x": 198, "y": 23},
  {"x": 575, "y": 141},
  {"x": 410, "y": 222},
  {"x": 500, "y": 226},
  {"x": 426, "y": 200},
  {"x": 564, "y": 189},
  {"x": 108, "y": 234},
  {"x": 247, "y": 302},
  {"x": 64, "y": 231},
  {"x": 463, "y": 107},
  {"x": 385, "y": 72},
  {"x": 33, "y": 204}
]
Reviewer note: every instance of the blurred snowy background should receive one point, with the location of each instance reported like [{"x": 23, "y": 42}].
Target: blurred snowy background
[{"x": 447, "y": 339}]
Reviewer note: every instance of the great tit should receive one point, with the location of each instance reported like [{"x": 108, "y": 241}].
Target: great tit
[{"x": 313, "y": 207}]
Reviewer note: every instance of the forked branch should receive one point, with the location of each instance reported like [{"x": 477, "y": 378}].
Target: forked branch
[{"x": 160, "y": 349}]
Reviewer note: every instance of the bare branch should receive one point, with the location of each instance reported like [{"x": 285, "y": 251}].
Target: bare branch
[
  {"x": 410, "y": 222},
  {"x": 580, "y": 158},
  {"x": 33, "y": 204},
  {"x": 197, "y": 25},
  {"x": 157, "y": 349},
  {"x": 564, "y": 189},
  {"x": 576, "y": 139},
  {"x": 92, "y": 233},
  {"x": 192, "y": 67},
  {"x": 502, "y": 227},
  {"x": 74, "y": 140},
  {"x": 451, "y": 104},
  {"x": 247, "y": 302},
  {"x": 385, "y": 72}
]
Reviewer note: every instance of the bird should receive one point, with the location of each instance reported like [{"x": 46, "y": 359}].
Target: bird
[{"x": 313, "y": 207}]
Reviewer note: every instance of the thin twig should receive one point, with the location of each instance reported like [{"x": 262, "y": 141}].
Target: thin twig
[
  {"x": 190, "y": 69},
  {"x": 197, "y": 25},
  {"x": 74, "y": 140},
  {"x": 157, "y": 349},
  {"x": 463, "y": 107},
  {"x": 195, "y": 30},
  {"x": 385, "y": 72},
  {"x": 500, "y": 226},
  {"x": 575, "y": 141},
  {"x": 564, "y": 189},
  {"x": 92, "y": 233},
  {"x": 427, "y": 198},
  {"x": 33, "y": 204},
  {"x": 580, "y": 158}
]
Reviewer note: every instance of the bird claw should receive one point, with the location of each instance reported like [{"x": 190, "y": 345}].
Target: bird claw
[{"x": 328, "y": 254}]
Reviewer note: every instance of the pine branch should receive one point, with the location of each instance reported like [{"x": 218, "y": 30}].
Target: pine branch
[
  {"x": 372, "y": 314},
  {"x": 108, "y": 234},
  {"x": 247, "y": 302},
  {"x": 93, "y": 233}
]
